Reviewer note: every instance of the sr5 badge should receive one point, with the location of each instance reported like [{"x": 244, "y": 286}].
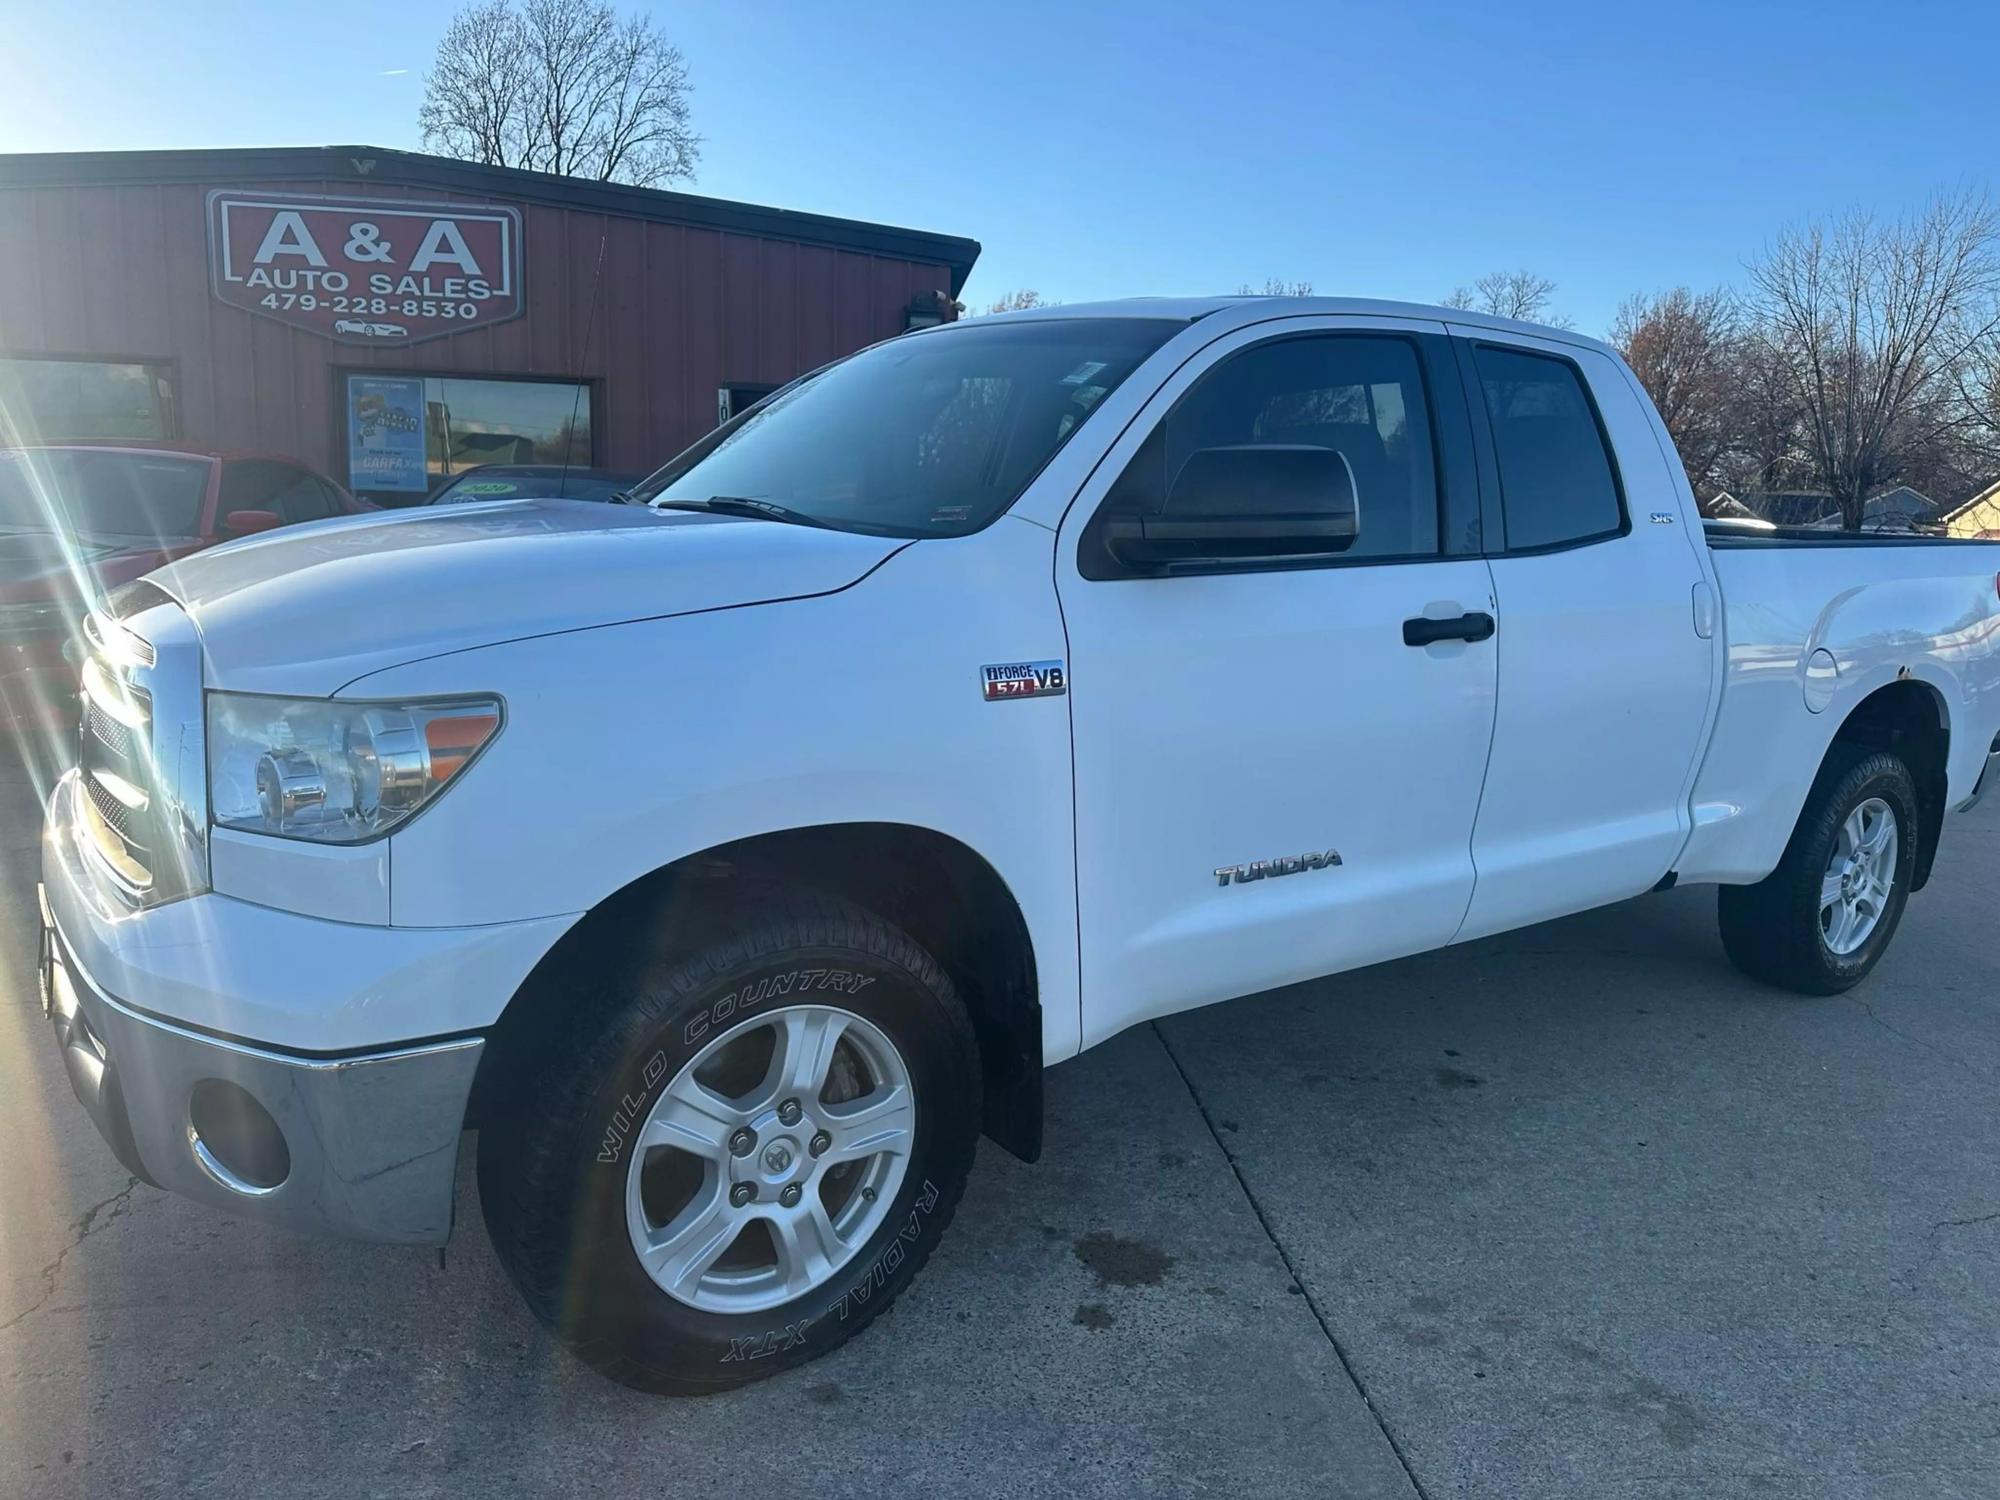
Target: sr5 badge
[{"x": 1024, "y": 679}]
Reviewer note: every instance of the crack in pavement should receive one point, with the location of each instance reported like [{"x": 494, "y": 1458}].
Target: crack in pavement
[
  {"x": 97, "y": 1217},
  {"x": 1964, "y": 1223},
  {"x": 1934, "y": 1241},
  {"x": 1292, "y": 1270},
  {"x": 1918, "y": 1042}
]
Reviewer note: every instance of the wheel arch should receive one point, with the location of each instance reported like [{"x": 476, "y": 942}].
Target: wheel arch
[
  {"x": 1911, "y": 719},
  {"x": 948, "y": 897}
]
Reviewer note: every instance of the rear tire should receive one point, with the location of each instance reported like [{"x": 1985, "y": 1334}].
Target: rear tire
[
  {"x": 1821, "y": 921},
  {"x": 634, "y": 1127}
]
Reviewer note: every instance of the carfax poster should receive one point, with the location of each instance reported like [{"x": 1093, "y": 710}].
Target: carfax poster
[{"x": 385, "y": 434}]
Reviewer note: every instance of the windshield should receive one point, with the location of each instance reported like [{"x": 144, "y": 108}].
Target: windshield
[
  {"x": 925, "y": 436},
  {"x": 101, "y": 492},
  {"x": 493, "y": 482}
]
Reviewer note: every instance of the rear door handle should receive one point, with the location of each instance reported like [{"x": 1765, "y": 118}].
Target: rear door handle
[{"x": 1423, "y": 630}]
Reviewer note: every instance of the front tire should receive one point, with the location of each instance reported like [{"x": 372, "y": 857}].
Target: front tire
[
  {"x": 1822, "y": 920},
  {"x": 736, "y": 1160}
]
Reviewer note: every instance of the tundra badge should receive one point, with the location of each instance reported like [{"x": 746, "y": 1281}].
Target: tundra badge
[
  {"x": 1264, "y": 869},
  {"x": 1024, "y": 679}
]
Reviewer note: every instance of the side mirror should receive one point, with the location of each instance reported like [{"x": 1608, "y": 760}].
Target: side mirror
[
  {"x": 250, "y": 522},
  {"x": 1250, "y": 502}
]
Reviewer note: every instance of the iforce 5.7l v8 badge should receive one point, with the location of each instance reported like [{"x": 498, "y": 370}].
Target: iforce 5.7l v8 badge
[{"x": 1024, "y": 679}]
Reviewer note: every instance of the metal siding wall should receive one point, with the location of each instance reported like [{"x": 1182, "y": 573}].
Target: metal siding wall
[{"x": 123, "y": 271}]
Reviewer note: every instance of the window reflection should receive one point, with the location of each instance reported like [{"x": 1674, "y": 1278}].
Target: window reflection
[
  {"x": 61, "y": 400},
  {"x": 473, "y": 422}
]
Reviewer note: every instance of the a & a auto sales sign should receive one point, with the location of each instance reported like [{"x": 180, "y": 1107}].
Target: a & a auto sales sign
[{"x": 365, "y": 270}]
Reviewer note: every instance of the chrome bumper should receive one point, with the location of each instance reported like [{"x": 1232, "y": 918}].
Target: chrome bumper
[{"x": 366, "y": 1146}]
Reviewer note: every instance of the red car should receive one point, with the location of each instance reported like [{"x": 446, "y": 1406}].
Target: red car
[{"x": 82, "y": 518}]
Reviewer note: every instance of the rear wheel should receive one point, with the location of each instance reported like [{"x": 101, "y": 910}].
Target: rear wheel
[
  {"x": 746, "y": 1158},
  {"x": 1822, "y": 919}
]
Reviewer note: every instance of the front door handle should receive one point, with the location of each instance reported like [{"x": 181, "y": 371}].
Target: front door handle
[{"x": 1423, "y": 631}]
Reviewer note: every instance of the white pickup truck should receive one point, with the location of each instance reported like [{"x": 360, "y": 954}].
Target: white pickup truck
[{"x": 731, "y": 858}]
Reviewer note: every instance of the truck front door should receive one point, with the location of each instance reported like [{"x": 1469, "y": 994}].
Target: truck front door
[{"x": 1319, "y": 729}]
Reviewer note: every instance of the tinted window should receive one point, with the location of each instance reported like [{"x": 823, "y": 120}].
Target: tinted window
[
  {"x": 104, "y": 493},
  {"x": 301, "y": 497},
  {"x": 933, "y": 434},
  {"x": 252, "y": 484},
  {"x": 1556, "y": 480},
  {"x": 55, "y": 400},
  {"x": 1358, "y": 394}
]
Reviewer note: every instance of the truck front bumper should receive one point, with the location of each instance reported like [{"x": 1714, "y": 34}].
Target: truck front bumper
[{"x": 360, "y": 1144}]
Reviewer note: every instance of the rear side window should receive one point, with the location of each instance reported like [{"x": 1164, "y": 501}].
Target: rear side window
[{"x": 1557, "y": 485}]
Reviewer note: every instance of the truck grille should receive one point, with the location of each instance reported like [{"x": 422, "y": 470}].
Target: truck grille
[
  {"x": 116, "y": 739},
  {"x": 114, "y": 755}
]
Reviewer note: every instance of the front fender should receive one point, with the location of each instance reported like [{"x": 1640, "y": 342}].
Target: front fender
[{"x": 631, "y": 747}]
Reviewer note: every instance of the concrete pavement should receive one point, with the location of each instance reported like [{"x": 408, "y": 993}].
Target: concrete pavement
[{"x": 1575, "y": 1212}]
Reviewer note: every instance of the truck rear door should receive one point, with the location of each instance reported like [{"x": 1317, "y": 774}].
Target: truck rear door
[{"x": 1604, "y": 678}]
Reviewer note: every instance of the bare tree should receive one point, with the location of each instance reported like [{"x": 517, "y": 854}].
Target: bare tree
[
  {"x": 1979, "y": 394},
  {"x": 1874, "y": 325},
  {"x": 561, "y": 86},
  {"x": 1685, "y": 348},
  {"x": 1276, "y": 286},
  {"x": 1019, "y": 301},
  {"x": 1510, "y": 294},
  {"x": 1769, "y": 452}
]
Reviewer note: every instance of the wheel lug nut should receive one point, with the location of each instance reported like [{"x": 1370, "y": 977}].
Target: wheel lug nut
[
  {"x": 743, "y": 1143},
  {"x": 789, "y": 1112},
  {"x": 741, "y": 1194},
  {"x": 790, "y": 1196},
  {"x": 819, "y": 1143}
]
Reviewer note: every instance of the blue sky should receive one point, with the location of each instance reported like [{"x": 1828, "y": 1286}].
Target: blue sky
[{"x": 1107, "y": 149}]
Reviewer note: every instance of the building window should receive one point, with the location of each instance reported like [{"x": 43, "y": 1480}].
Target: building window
[
  {"x": 734, "y": 400},
  {"x": 60, "y": 400},
  {"x": 409, "y": 434}
]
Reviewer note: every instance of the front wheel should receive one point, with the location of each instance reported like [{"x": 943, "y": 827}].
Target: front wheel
[
  {"x": 743, "y": 1161},
  {"x": 1820, "y": 921}
]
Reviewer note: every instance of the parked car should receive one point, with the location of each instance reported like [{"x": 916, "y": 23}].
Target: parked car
[
  {"x": 994, "y": 690},
  {"x": 532, "y": 482},
  {"x": 78, "y": 520}
]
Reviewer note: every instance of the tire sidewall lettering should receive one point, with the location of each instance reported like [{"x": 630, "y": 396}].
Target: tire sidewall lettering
[
  {"x": 759, "y": 992},
  {"x": 872, "y": 1283},
  {"x": 630, "y": 1110}
]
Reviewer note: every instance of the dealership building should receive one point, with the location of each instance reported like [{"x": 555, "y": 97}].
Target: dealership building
[{"x": 391, "y": 318}]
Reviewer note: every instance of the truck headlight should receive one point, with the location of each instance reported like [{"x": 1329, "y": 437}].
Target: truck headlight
[{"x": 332, "y": 772}]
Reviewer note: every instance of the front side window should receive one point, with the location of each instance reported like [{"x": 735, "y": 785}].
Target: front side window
[
  {"x": 101, "y": 492},
  {"x": 1360, "y": 395},
  {"x": 929, "y": 435},
  {"x": 1557, "y": 486},
  {"x": 64, "y": 400},
  {"x": 304, "y": 499}
]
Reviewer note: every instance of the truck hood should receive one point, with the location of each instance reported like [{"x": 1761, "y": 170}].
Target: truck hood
[{"x": 308, "y": 609}]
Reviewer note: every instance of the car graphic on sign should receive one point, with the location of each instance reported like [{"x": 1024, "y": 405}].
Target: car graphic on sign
[{"x": 372, "y": 330}]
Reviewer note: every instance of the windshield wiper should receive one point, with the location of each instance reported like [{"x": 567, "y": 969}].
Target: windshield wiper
[{"x": 738, "y": 505}]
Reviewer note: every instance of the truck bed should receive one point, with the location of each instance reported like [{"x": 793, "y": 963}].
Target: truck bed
[{"x": 1726, "y": 535}]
